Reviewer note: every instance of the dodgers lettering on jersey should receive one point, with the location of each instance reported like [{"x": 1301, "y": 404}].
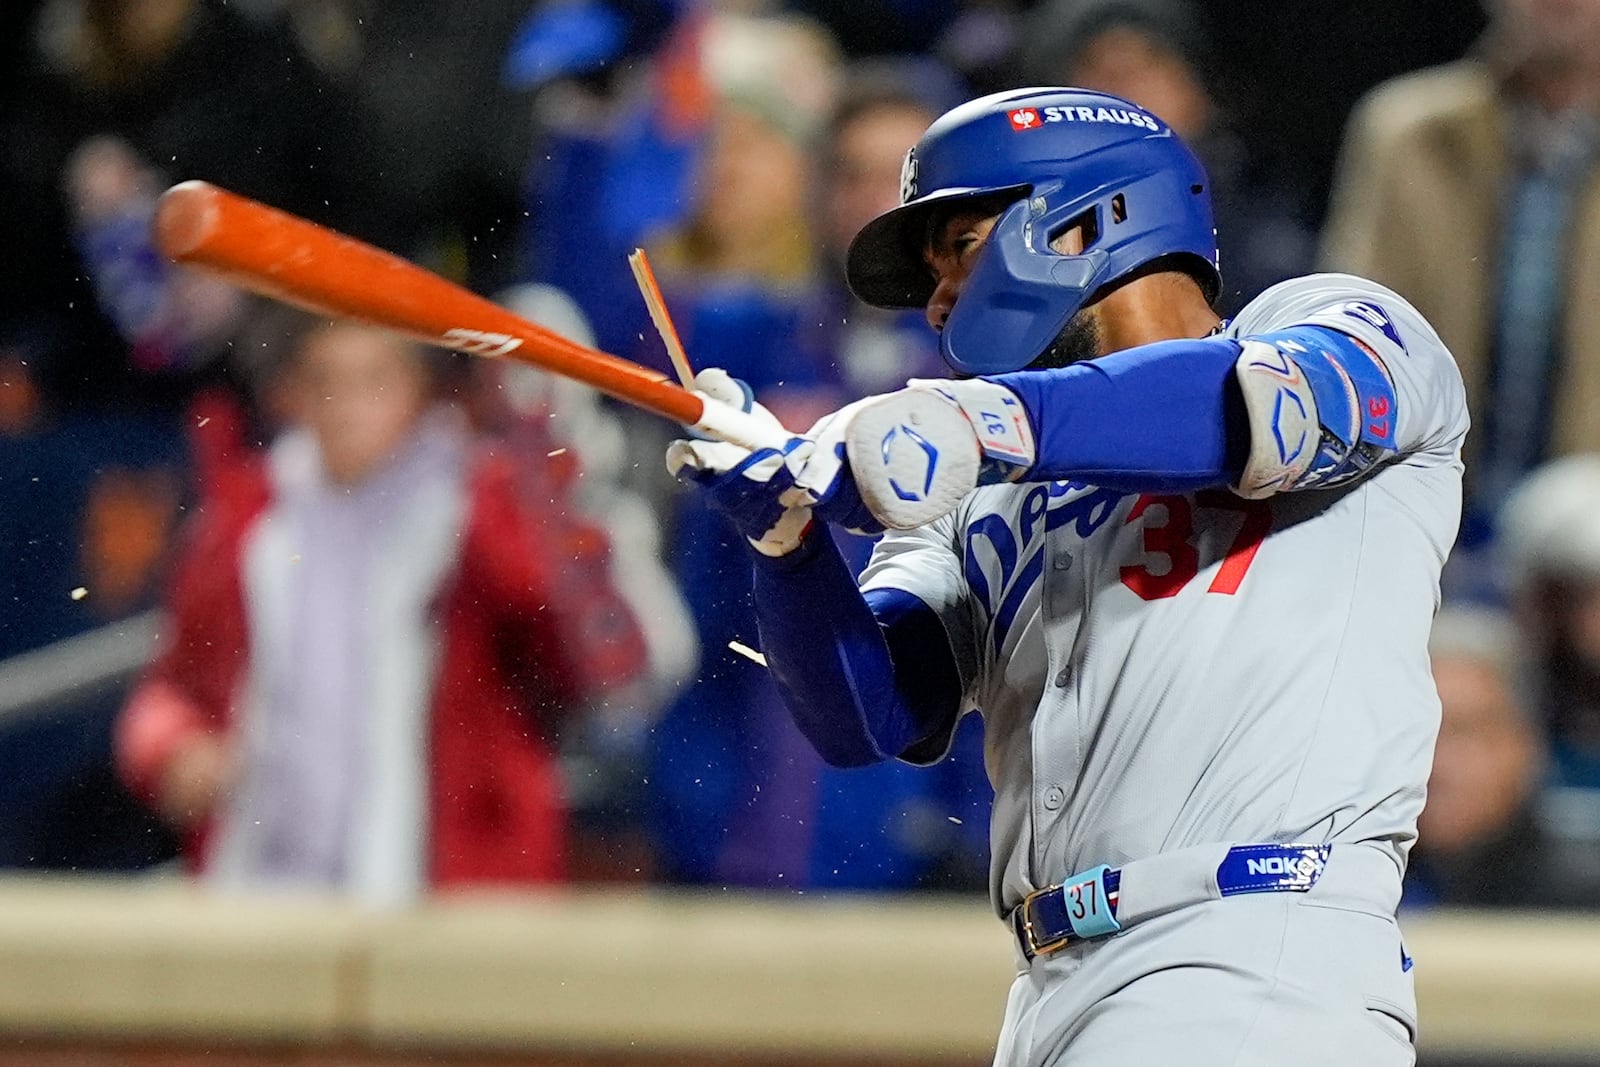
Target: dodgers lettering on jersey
[
  {"x": 1003, "y": 559},
  {"x": 1164, "y": 670}
]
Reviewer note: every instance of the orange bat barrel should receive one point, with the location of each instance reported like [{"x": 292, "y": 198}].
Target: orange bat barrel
[{"x": 288, "y": 258}]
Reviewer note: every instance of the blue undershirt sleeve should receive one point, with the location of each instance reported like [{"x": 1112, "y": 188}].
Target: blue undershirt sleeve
[
  {"x": 862, "y": 687},
  {"x": 1165, "y": 417}
]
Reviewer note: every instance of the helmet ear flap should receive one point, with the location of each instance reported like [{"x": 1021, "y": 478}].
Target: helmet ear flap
[{"x": 1018, "y": 296}]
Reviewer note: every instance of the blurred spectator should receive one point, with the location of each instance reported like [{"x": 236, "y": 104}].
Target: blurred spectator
[
  {"x": 583, "y": 465},
  {"x": 698, "y": 152},
  {"x": 1481, "y": 842},
  {"x": 174, "y": 320},
  {"x": 583, "y": 455},
  {"x": 1470, "y": 189},
  {"x": 736, "y": 268},
  {"x": 372, "y": 649},
  {"x": 1549, "y": 548},
  {"x": 618, "y": 121},
  {"x": 721, "y": 161},
  {"x": 883, "y": 107},
  {"x": 1155, "y": 53},
  {"x": 175, "y": 89},
  {"x": 739, "y": 796},
  {"x": 856, "y": 349}
]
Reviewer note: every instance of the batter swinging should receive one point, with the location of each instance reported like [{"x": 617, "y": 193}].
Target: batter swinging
[{"x": 1184, "y": 568}]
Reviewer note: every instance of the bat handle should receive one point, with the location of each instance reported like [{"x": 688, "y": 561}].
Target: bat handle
[{"x": 724, "y": 422}]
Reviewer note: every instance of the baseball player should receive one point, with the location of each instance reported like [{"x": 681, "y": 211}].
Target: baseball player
[{"x": 1184, "y": 568}]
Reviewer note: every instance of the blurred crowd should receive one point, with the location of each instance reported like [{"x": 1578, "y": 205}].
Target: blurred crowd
[{"x": 296, "y": 603}]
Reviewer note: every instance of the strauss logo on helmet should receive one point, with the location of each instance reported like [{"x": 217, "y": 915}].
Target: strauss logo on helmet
[{"x": 1024, "y": 118}]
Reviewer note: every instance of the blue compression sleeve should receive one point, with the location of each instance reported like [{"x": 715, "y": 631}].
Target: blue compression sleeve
[
  {"x": 861, "y": 688},
  {"x": 1166, "y": 417}
]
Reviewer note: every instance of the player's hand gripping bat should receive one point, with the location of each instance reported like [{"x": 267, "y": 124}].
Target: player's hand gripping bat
[{"x": 288, "y": 258}]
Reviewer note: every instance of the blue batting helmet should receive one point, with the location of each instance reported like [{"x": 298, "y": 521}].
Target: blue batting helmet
[{"x": 1067, "y": 155}]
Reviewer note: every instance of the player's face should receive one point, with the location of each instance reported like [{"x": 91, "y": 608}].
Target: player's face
[{"x": 952, "y": 251}]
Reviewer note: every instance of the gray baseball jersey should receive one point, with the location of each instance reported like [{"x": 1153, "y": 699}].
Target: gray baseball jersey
[{"x": 1163, "y": 670}]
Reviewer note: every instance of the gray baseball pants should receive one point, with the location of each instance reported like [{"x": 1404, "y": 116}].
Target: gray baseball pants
[{"x": 1315, "y": 978}]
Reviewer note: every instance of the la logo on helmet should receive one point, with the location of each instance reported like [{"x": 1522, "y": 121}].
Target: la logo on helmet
[
  {"x": 1024, "y": 118},
  {"x": 908, "y": 176}
]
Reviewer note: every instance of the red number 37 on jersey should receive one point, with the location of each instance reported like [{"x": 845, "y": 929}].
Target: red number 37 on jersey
[{"x": 1168, "y": 533}]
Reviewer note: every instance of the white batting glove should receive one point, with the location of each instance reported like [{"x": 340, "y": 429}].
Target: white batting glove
[
  {"x": 754, "y": 489},
  {"x": 701, "y": 454},
  {"x": 914, "y": 454}
]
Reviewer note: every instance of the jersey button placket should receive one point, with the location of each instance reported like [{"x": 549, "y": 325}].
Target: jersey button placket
[{"x": 1055, "y": 726}]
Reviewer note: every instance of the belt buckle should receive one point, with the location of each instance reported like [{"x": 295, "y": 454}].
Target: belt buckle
[{"x": 1030, "y": 942}]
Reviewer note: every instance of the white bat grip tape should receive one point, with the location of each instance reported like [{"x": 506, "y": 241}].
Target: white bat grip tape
[
  {"x": 914, "y": 457},
  {"x": 724, "y": 422}
]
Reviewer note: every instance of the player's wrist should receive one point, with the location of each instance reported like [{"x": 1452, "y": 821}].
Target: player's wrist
[
  {"x": 802, "y": 548},
  {"x": 786, "y": 535}
]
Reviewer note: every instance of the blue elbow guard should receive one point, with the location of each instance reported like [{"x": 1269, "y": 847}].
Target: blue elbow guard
[{"x": 1321, "y": 408}]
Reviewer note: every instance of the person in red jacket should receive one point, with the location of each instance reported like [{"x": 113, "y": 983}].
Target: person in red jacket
[{"x": 374, "y": 636}]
